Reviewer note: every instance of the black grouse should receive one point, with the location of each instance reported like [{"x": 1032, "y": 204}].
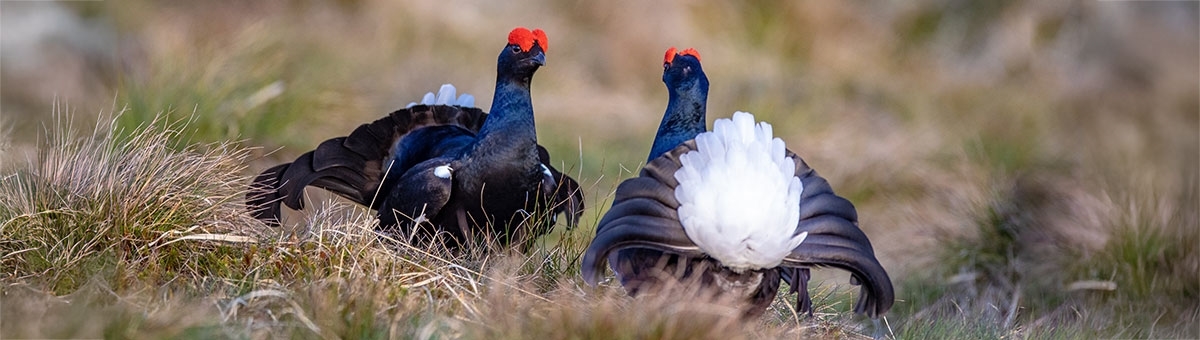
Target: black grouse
[
  {"x": 430, "y": 169},
  {"x": 731, "y": 209}
]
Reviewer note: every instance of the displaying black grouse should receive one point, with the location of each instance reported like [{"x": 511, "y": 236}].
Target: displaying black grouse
[
  {"x": 731, "y": 209},
  {"x": 476, "y": 176}
]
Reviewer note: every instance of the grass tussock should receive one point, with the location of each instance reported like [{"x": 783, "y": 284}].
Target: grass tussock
[
  {"x": 1048, "y": 259},
  {"x": 112, "y": 203}
]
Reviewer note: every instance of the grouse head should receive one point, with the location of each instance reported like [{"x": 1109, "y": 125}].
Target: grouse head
[
  {"x": 687, "y": 94},
  {"x": 682, "y": 72},
  {"x": 525, "y": 52}
]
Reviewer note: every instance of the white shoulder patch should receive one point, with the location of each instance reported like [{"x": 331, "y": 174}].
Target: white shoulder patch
[
  {"x": 443, "y": 171},
  {"x": 739, "y": 196},
  {"x": 446, "y": 95}
]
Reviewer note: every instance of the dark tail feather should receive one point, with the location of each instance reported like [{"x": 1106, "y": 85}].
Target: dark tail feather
[
  {"x": 569, "y": 198},
  {"x": 568, "y": 195},
  {"x": 344, "y": 181},
  {"x": 797, "y": 279},
  {"x": 263, "y": 199},
  {"x": 349, "y": 166},
  {"x": 835, "y": 240},
  {"x": 832, "y": 250},
  {"x": 635, "y": 231}
]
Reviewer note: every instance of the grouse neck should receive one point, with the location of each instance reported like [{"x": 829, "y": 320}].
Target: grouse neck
[
  {"x": 505, "y": 151},
  {"x": 511, "y": 115},
  {"x": 683, "y": 120}
]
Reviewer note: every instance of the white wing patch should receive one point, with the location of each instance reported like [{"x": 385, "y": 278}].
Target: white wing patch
[
  {"x": 739, "y": 196},
  {"x": 443, "y": 171},
  {"x": 445, "y": 96}
]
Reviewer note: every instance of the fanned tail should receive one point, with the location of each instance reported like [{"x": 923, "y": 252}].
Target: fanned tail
[
  {"x": 643, "y": 225},
  {"x": 350, "y": 166},
  {"x": 835, "y": 240}
]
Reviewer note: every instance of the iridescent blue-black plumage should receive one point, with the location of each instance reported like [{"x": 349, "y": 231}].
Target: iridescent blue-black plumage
[
  {"x": 687, "y": 91},
  {"x": 495, "y": 174}
]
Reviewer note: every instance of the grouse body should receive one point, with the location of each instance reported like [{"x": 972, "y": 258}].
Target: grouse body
[
  {"x": 731, "y": 209},
  {"x": 431, "y": 169}
]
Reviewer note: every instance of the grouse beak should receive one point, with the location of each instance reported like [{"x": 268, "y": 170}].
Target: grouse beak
[{"x": 540, "y": 59}]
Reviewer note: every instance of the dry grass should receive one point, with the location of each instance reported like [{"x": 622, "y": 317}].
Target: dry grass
[
  {"x": 111, "y": 203},
  {"x": 1026, "y": 169}
]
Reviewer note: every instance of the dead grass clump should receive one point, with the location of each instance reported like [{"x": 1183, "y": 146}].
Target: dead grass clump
[
  {"x": 1051, "y": 257},
  {"x": 112, "y": 202}
]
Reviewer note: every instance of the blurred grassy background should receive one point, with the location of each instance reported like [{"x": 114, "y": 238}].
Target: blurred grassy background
[{"x": 1002, "y": 154}]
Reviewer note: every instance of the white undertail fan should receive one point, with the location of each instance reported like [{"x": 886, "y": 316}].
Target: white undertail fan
[
  {"x": 738, "y": 194},
  {"x": 446, "y": 95},
  {"x": 737, "y": 198}
]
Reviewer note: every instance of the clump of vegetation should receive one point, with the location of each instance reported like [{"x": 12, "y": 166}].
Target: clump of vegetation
[
  {"x": 113, "y": 203},
  {"x": 1046, "y": 259}
]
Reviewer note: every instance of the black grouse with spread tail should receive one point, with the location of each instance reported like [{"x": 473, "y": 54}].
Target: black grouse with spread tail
[
  {"x": 683, "y": 221},
  {"x": 428, "y": 169}
]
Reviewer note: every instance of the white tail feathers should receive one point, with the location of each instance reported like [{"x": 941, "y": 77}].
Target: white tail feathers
[
  {"x": 445, "y": 96},
  {"x": 739, "y": 196}
]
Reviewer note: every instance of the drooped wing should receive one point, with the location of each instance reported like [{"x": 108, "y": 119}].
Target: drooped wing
[
  {"x": 563, "y": 192},
  {"x": 350, "y": 166},
  {"x": 420, "y": 193},
  {"x": 834, "y": 240}
]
